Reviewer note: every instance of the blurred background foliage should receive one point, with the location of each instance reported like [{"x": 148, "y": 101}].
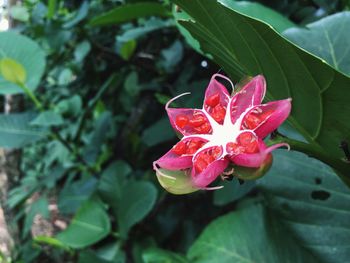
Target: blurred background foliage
[{"x": 86, "y": 190}]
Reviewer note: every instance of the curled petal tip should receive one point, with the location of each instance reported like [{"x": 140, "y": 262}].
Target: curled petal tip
[
  {"x": 223, "y": 77},
  {"x": 278, "y": 145},
  {"x": 160, "y": 173},
  {"x": 175, "y": 98},
  {"x": 214, "y": 188}
]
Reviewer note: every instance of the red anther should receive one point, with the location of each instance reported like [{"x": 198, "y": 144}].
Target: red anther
[
  {"x": 200, "y": 165},
  {"x": 181, "y": 120},
  {"x": 197, "y": 120},
  {"x": 253, "y": 120},
  {"x": 248, "y": 142},
  {"x": 231, "y": 147},
  {"x": 204, "y": 128},
  {"x": 216, "y": 152},
  {"x": 265, "y": 114},
  {"x": 252, "y": 147},
  {"x": 180, "y": 148},
  {"x": 245, "y": 138},
  {"x": 207, "y": 158},
  {"x": 234, "y": 148},
  {"x": 204, "y": 159},
  {"x": 193, "y": 146},
  {"x": 213, "y": 100},
  {"x": 218, "y": 113}
]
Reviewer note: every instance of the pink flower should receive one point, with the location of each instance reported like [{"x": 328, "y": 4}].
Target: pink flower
[{"x": 226, "y": 131}]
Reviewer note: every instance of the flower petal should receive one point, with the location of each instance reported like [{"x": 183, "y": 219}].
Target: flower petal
[
  {"x": 216, "y": 98},
  {"x": 266, "y": 118},
  {"x": 256, "y": 159},
  {"x": 208, "y": 164},
  {"x": 208, "y": 175},
  {"x": 251, "y": 94},
  {"x": 189, "y": 121},
  {"x": 180, "y": 156}
]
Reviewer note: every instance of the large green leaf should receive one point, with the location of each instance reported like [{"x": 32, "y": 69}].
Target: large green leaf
[
  {"x": 16, "y": 131},
  {"x": 313, "y": 204},
  {"x": 261, "y": 12},
  {"x": 245, "y": 46},
  {"x": 246, "y": 236},
  {"x": 130, "y": 200},
  {"x": 129, "y": 12},
  {"x": 157, "y": 255},
  {"x": 328, "y": 38},
  {"x": 89, "y": 225},
  {"x": 136, "y": 201},
  {"x": 112, "y": 182},
  {"x": 48, "y": 118},
  {"x": 26, "y": 53},
  {"x": 232, "y": 191}
]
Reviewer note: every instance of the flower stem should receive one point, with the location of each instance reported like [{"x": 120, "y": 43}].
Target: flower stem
[{"x": 32, "y": 96}]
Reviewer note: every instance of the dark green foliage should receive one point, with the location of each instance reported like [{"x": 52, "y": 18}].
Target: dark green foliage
[{"x": 89, "y": 144}]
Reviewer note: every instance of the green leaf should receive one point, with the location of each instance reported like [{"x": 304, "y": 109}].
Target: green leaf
[
  {"x": 28, "y": 61},
  {"x": 327, "y": 38},
  {"x": 19, "y": 13},
  {"x": 47, "y": 118},
  {"x": 245, "y": 46},
  {"x": 74, "y": 194},
  {"x": 260, "y": 12},
  {"x": 180, "y": 15},
  {"x": 129, "y": 12},
  {"x": 147, "y": 27},
  {"x": 245, "y": 236},
  {"x": 97, "y": 138},
  {"x": 79, "y": 16},
  {"x": 13, "y": 71},
  {"x": 51, "y": 8},
  {"x": 137, "y": 200},
  {"x": 90, "y": 257},
  {"x": 72, "y": 105},
  {"x": 16, "y": 131},
  {"x": 172, "y": 56},
  {"x": 157, "y": 255},
  {"x": 65, "y": 77},
  {"x": 39, "y": 207},
  {"x": 81, "y": 51},
  {"x": 127, "y": 49},
  {"x": 112, "y": 252},
  {"x": 89, "y": 225},
  {"x": 158, "y": 132},
  {"x": 312, "y": 202},
  {"x": 113, "y": 181},
  {"x": 131, "y": 84},
  {"x": 232, "y": 191}
]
